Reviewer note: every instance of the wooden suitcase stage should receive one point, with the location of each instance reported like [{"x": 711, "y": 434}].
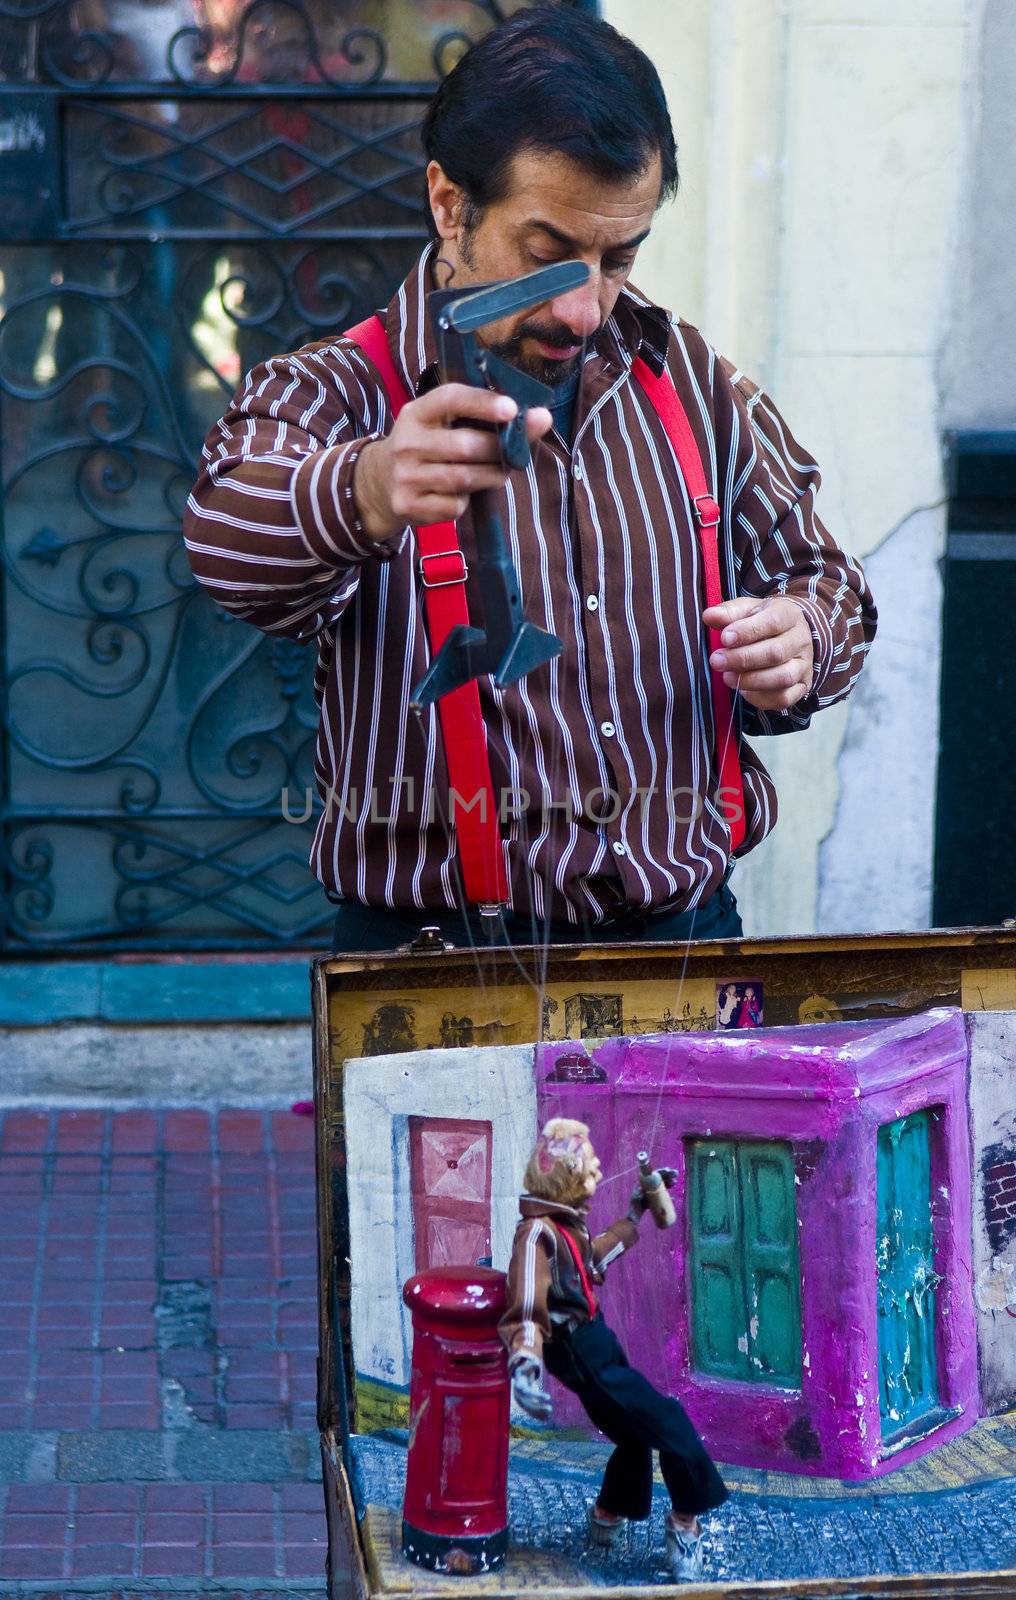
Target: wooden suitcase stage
[{"x": 381, "y": 1005}]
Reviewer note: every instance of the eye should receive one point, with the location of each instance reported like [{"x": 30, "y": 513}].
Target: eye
[{"x": 619, "y": 268}]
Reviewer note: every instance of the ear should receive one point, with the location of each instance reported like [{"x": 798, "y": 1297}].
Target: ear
[{"x": 446, "y": 199}]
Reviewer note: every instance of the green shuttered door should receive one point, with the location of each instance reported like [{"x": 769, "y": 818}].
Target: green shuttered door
[
  {"x": 908, "y": 1384},
  {"x": 745, "y": 1278}
]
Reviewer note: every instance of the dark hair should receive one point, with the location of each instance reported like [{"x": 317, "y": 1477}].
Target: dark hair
[{"x": 549, "y": 78}]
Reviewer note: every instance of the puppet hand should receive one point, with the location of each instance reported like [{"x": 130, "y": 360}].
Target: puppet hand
[
  {"x": 527, "y": 1387},
  {"x": 638, "y": 1205},
  {"x": 766, "y": 650},
  {"x": 640, "y": 1200}
]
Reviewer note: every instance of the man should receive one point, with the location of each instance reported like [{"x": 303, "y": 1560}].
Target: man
[
  {"x": 553, "y": 1321},
  {"x": 549, "y": 141}
]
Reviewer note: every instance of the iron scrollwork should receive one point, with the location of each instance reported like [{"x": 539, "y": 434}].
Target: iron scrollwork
[
  {"x": 212, "y": 44},
  {"x": 236, "y": 178}
]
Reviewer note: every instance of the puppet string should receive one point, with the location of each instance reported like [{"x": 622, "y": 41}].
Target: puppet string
[{"x": 541, "y": 945}]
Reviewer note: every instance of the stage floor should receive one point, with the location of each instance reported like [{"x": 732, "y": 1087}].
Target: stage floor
[{"x": 952, "y": 1511}]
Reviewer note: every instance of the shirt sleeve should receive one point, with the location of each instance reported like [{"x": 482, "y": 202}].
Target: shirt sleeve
[
  {"x": 781, "y": 547},
  {"x": 613, "y": 1242},
  {"x": 526, "y": 1323},
  {"x": 271, "y": 527}
]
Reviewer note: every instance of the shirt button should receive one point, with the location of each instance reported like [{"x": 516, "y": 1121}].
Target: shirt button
[
  {"x": 579, "y": 474},
  {"x": 608, "y": 730},
  {"x": 592, "y": 603},
  {"x": 619, "y": 849}
]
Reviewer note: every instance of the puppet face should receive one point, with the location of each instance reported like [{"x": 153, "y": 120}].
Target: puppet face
[{"x": 564, "y": 1166}]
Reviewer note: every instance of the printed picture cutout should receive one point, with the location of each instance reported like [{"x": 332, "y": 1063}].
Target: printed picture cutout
[{"x": 739, "y": 1003}]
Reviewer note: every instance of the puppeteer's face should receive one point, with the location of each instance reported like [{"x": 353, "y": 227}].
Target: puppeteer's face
[{"x": 553, "y": 210}]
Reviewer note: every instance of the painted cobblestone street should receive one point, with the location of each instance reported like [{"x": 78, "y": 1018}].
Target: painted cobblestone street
[
  {"x": 754, "y": 1536},
  {"x": 157, "y": 1419}
]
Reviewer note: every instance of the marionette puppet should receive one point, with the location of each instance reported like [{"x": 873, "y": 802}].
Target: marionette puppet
[{"x": 553, "y": 1322}]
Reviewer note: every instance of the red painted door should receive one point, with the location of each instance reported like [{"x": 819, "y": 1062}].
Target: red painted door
[{"x": 449, "y": 1164}]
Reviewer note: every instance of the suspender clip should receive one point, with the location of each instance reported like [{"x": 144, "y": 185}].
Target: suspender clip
[
  {"x": 707, "y": 511},
  {"x": 443, "y": 577}
]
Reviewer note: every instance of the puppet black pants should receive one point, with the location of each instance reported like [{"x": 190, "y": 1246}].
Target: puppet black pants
[{"x": 638, "y": 1419}]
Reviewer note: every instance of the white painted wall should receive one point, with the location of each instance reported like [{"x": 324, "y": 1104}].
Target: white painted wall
[
  {"x": 381, "y": 1093},
  {"x": 979, "y": 356},
  {"x": 826, "y": 182},
  {"x": 993, "y": 1122}
]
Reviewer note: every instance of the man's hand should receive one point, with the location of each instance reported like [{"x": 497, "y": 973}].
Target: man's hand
[
  {"x": 527, "y": 1387},
  {"x": 766, "y": 650},
  {"x": 425, "y": 470}
]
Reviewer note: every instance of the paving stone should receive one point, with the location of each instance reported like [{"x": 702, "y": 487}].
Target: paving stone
[
  {"x": 245, "y": 1455},
  {"x": 27, "y": 1456},
  {"x": 121, "y": 1455}
]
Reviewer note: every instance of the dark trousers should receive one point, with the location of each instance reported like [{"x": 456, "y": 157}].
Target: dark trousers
[
  {"x": 360, "y": 927},
  {"x": 638, "y": 1419}
]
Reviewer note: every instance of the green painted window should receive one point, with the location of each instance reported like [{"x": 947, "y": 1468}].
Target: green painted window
[
  {"x": 744, "y": 1274},
  {"x": 905, "y": 1259}
]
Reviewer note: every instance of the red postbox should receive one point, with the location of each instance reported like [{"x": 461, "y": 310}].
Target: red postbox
[{"x": 455, "y": 1515}]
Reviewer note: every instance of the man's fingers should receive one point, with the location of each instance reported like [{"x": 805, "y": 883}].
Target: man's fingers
[
  {"x": 453, "y": 479},
  {"x": 457, "y": 444},
  {"x": 721, "y": 616},
  {"x": 775, "y": 679},
  {"x": 538, "y": 422},
  {"x": 439, "y": 508},
  {"x": 450, "y": 402},
  {"x": 772, "y": 652},
  {"x": 776, "y": 700}
]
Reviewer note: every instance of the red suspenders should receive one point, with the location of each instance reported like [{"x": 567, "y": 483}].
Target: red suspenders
[
  {"x": 671, "y": 413},
  {"x": 443, "y": 575},
  {"x": 580, "y": 1266}
]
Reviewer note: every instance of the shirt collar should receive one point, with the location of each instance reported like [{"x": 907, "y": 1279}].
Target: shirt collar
[
  {"x": 530, "y": 1205},
  {"x": 636, "y": 327}
]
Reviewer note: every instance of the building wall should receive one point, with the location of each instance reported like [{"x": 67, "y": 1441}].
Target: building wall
[
  {"x": 381, "y": 1093},
  {"x": 826, "y": 183},
  {"x": 979, "y": 354},
  {"x": 993, "y": 1127}
]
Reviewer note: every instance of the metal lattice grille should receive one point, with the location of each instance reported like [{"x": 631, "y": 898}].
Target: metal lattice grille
[{"x": 186, "y": 188}]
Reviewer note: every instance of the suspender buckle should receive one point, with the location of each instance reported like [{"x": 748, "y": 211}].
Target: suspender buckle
[
  {"x": 443, "y": 578},
  {"x": 707, "y": 511}
]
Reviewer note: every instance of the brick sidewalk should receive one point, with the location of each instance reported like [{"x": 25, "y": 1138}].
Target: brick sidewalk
[{"x": 158, "y": 1337}]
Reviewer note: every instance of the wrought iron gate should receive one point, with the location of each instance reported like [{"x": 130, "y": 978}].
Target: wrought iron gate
[{"x": 186, "y": 188}]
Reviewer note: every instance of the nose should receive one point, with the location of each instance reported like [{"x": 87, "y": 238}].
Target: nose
[{"x": 579, "y": 309}]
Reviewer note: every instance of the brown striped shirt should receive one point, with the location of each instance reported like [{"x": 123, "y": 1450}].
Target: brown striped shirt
[{"x": 603, "y": 761}]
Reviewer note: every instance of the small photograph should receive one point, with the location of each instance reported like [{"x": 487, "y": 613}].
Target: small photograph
[{"x": 739, "y": 1003}]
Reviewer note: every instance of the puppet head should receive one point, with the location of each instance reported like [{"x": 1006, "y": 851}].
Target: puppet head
[{"x": 564, "y": 1166}]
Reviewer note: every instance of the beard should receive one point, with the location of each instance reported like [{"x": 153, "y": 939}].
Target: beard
[{"x": 543, "y": 368}]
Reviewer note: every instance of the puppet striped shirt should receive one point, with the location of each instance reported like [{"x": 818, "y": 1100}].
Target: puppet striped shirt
[{"x": 603, "y": 761}]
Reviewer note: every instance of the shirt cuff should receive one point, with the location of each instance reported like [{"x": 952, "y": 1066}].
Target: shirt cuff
[
  {"x": 325, "y": 509},
  {"x": 821, "y": 640}
]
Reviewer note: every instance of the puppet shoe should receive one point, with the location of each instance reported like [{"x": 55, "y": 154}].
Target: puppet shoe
[
  {"x": 604, "y": 1531},
  {"x": 684, "y": 1553}
]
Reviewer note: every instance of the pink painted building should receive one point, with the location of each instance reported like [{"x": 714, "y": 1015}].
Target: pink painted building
[{"x": 813, "y": 1307}]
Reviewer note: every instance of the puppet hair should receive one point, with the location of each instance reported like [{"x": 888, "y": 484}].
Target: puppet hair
[{"x": 557, "y": 1166}]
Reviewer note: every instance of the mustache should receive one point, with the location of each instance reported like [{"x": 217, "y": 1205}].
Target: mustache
[{"x": 550, "y": 333}]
